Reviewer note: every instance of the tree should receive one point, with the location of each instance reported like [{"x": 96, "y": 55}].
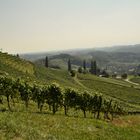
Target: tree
[
  {"x": 84, "y": 102},
  {"x": 54, "y": 96},
  {"x": 114, "y": 75},
  {"x": 99, "y": 105},
  {"x": 66, "y": 99},
  {"x": 17, "y": 55},
  {"x": 105, "y": 74},
  {"x": 93, "y": 69},
  {"x": 98, "y": 71},
  {"x": 46, "y": 62},
  {"x": 38, "y": 95},
  {"x": 84, "y": 65},
  {"x": 124, "y": 76},
  {"x": 80, "y": 70},
  {"x": 73, "y": 73},
  {"x": 93, "y": 104},
  {"x": 107, "y": 104},
  {"x": 6, "y": 89},
  {"x": 70, "y": 99},
  {"x": 69, "y": 65},
  {"x": 25, "y": 92}
]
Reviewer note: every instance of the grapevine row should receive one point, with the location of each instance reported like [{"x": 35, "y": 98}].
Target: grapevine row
[{"x": 56, "y": 98}]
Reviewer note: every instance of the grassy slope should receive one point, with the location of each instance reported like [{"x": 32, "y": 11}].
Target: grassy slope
[
  {"x": 19, "y": 68},
  {"x": 135, "y": 79},
  {"x": 118, "y": 89},
  {"x": 25, "y": 125},
  {"x": 15, "y": 63}
]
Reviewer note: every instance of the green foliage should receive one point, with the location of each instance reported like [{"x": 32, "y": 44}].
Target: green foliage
[
  {"x": 46, "y": 62},
  {"x": 25, "y": 93},
  {"x": 124, "y": 76},
  {"x": 70, "y": 99},
  {"x": 69, "y": 65},
  {"x": 80, "y": 70},
  {"x": 84, "y": 102},
  {"x": 7, "y": 89},
  {"x": 84, "y": 64},
  {"x": 14, "y": 63},
  {"x": 73, "y": 73},
  {"x": 39, "y": 96},
  {"x": 36, "y": 126},
  {"x": 54, "y": 97},
  {"x": 117, "y": 89},
  {"x": 93, "y": 67}
]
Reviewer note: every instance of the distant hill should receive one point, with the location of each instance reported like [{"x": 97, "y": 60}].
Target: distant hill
[
  {"x": 116, "y": 59},
  {"x": 60, "y": 61},
  {"x": 13, "y": 64},
  {"x": 17, "y": 67},
  {"x": 121, "y": 90},
  {"x": 38, "y": 125},
  {"x": 123, "y": 48}
]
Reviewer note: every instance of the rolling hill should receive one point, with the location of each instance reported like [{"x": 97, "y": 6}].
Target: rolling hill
[
  {"x": 123, "y": 48},
  {"x": 123, "y": 91},
  {"x": 118, "y": 59},
  {"x": 31, "y": 124},
  {"x": 114, "y": 61}
]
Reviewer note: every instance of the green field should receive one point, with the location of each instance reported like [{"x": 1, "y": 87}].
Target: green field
[
  {"x": 34, "y": 126},
  {"x": 30, "y": 124},
  {"x": 135, "y": 79}
]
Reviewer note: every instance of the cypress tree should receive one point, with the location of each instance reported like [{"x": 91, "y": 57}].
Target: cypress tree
[
  {"x": 80, "y": 70},
  {"x": 69, "y": 65},
  {"x": 46, "y": 62},
  {"x": 93, "y": 69},
  {"x": 84, "y": 64}
]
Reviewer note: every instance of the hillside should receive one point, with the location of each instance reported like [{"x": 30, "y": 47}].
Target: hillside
[
  {"x": 35, "y": 126},
  {"x": 13, "y": 63},
  {"x": 118, "y": 59},
  {"x": 23, "y": 123},
  {"x": 120, "y": 90},
  {"x": 16, "y": 67},
  {"x": 123, "y": 48},
  {"x": 114, "y": 61}
]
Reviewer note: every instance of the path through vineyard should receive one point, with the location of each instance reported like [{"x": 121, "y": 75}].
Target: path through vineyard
[{"x": 78, "y": 82}]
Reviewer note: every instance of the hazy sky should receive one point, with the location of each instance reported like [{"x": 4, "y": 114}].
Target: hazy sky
[{"x": 44, "y": 25}]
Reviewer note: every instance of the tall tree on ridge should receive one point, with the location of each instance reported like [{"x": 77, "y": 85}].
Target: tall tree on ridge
[
  {"x": 93, "y": 68},
  {"x": 46, "y": 62},
  {"x": 84, "y": 64},
  {"x": 69, "y": 65}
]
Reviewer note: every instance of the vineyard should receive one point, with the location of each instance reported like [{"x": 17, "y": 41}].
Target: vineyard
[
  {"x": 15, "y": 63},
  {"x": 55, "y": 97},
  {"x": 54, "y": 102}
]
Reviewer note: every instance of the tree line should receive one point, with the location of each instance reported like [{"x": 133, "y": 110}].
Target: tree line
[
  {"x": 58, "y": 98},
  {"x": 94, "y": 69}
]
